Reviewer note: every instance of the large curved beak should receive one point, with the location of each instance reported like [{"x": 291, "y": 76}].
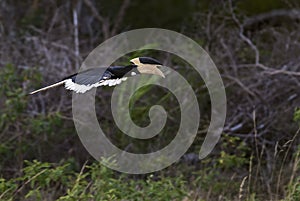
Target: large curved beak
[
  {"x": 150, "y": 69},
  {"x": 158, "y": 72}
]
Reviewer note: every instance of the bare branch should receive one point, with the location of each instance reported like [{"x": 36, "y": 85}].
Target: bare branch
[
  {"x": 293, "y": 14},
  {"x": 120, "y": 16},
  {"x": 102, "y": 20},
  {"x": 242, "y": 35},
  {"x": 94, "y": 11},
  {"x": 76, "y": 40}
]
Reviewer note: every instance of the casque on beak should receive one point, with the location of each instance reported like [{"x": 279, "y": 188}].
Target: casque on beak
[{"x": 147, "y": 65}]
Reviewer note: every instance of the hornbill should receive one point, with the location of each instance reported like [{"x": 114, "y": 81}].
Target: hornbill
[{"x": 113, "y": 75}]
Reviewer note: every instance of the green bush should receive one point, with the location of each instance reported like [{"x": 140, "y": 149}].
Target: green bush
[{"x": 46, "y": 181}]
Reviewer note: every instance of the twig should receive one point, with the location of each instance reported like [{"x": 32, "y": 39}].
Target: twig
[
  {"x": 102, "y": 20},
  {"x": 293, "y": 14},
  {"x": 241, "y": 187},
  {"x": 76, "y": 41},
  {"x": 94, "y": 11},
  {"x": 284, "y": 160},
  {"x": 236, "y": 80},
  {"x": 120, "y": 16},
  {"x": 256, "y": 144},
  {"x": 242, "y": 35},
  {"x": 29, "y": 180}
]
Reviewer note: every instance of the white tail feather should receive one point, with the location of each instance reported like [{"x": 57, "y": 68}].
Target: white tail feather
[{"x": 48, "y": 87}]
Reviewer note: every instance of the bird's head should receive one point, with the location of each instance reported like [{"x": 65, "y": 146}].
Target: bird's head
[{"x": 147, "y": 65}]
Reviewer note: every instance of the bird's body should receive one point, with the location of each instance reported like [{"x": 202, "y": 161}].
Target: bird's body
[
  {"x": 85, "y": 80},
  {"x": 111, "y": 76}
]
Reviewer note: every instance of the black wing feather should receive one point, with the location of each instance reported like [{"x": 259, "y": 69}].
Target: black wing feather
[
  {"x": 90, "y": 76},
  {"x": 95, "y": 75}
]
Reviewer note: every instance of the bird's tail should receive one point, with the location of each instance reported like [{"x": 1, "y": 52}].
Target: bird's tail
[{"x": 48, "y": 87}]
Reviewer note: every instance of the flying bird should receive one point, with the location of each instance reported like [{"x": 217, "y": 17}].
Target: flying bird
[{"x": 113, "y": 75}]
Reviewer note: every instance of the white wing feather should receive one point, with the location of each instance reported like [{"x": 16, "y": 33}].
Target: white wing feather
[{"x": 80, "y": 88}]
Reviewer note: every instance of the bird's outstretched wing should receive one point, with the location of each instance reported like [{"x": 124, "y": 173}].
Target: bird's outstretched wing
[{"x": 86, "y": 80}]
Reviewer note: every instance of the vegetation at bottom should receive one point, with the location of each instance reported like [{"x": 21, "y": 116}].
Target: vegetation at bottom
[{"x": 93, "y": 181}]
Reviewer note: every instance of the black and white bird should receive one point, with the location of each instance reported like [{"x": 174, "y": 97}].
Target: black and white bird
[{"x": 111, "y": 76}]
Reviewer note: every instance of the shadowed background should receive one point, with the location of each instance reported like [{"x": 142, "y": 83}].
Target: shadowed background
[{"x": 254, "y": 44}]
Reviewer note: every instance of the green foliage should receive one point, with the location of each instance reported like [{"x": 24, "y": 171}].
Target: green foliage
[
  {"x": 13, "y": 101},
  {"x": 294, "y": 184},
  {"x": 233, "y": 159},
  {"x": 296, "y": 195},
  {"x": 294, "y": 190},
  {"x": 216, "y": 172},
  {"x": 297, "y": 115},
  {"x": 44, "y": 174},
  {"x": 22, "y": 132},
  {"x": 42, "y": 181},
  {"x": 33, "y": 18},
  {"x": 45, "y": 124},
  {"x": 7, "y": 188},
  {"x": 255, "y": 6}
]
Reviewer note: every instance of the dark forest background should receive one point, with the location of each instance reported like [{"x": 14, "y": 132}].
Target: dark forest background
[{"x": 256, "y": 47}]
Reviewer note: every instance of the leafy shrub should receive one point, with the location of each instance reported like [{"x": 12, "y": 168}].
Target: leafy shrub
[{"x": 46, "y": 181}]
